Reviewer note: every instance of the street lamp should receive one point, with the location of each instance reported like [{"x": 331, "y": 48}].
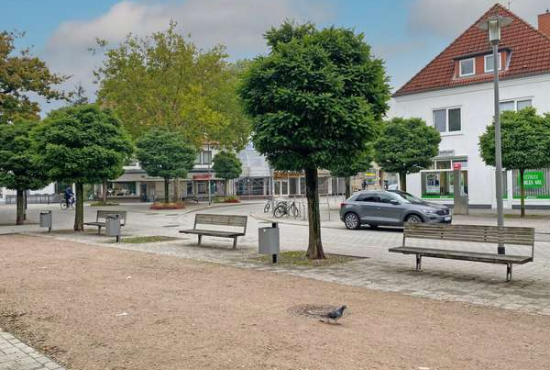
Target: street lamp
[{"x": 494, "y": 24}]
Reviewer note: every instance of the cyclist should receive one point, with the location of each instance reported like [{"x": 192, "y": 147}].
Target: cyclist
[{"x": 68, "y": 196}]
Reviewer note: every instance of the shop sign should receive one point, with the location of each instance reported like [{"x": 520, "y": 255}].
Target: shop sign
[
  {"x": 446, "y": 153},
  {"x": 202, "y": 176},
  {"x": 281, "y": 175},
  {"x": 370, "y": 174},
  {"x": 533, "y": 180}
]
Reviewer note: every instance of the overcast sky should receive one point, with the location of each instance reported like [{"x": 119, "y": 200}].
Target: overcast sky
[{"x": 407, "y": 34}]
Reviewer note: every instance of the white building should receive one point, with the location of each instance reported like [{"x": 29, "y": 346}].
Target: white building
[{"x": 454, "y": 93}]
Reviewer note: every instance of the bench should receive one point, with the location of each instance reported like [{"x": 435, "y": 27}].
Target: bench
[
  {"x": 218, "y": 220},
  {"x": 517, "y": 236},
  {"x": 101, "y": 219}
]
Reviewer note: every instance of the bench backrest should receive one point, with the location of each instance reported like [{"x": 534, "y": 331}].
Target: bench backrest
[
  {"x": 102, "y": 215},
  {"x": 472, "y": 233},
  {"x": 221, "y": 220}
]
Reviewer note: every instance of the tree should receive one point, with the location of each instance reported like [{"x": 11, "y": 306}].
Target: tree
[
  {"x": 83, "y": 145},
  {"x": 351, "y": 167},
  {"x": 164, "y": 80},
  {"x": 21, "y": 74},
  {"x": 227, "y": 166},
  {"x": 316, "y": 98},
  {"x": 525, "y": 144},
  {"x": 162, "y": 153},
  {"x": 406, "y": 146},
  {"x": 19, "y": 167}
]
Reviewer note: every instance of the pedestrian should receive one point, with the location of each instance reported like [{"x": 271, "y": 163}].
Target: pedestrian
[{"x": 68, "y": 196}]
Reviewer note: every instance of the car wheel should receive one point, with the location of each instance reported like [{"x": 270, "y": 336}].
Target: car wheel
[
  {"x": 352, "y": 221},
  {"x": 414, "y": 219}
]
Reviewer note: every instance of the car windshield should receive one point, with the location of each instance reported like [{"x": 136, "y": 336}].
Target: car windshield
[{"x": 409, "y": 197}]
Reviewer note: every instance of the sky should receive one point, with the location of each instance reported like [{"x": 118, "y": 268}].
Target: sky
[{"x": 406, "y": 34}]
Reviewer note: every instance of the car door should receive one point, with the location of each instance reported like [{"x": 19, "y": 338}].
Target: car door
[
  {"x": 366, "y": 205},
  {"x": 388, "y": 212}
]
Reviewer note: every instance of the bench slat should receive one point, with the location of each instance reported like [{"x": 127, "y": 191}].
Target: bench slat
[
  {"x": 462, "y": 255},
  {"x": 474, "y": 233}
]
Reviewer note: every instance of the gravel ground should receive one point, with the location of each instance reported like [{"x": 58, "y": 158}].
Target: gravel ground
[{"x": 98, "y": 308}]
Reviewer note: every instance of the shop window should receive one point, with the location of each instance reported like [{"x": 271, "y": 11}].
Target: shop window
[
  {"x": 121, "y": 189},
  {"x": 440, "y": 184},
  {"x": 447, "y": 120},
  {"x": 537, "y": 184}
]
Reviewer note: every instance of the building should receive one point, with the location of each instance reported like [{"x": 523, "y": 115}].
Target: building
[{"x": 454, "y": 93}]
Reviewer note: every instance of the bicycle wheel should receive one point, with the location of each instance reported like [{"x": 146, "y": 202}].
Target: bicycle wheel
[
  {"x": 63, "y": 205},
  {"x": 267, "y": 207},
  {"x": 295, "y": 211},
  {"x": 280, "y": 211}
]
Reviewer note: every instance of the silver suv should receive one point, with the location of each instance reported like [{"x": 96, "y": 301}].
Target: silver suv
[{"x": 390, "y": 208}]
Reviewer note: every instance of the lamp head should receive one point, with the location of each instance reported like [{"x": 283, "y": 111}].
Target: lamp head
[{"x": 494, "y": 24}]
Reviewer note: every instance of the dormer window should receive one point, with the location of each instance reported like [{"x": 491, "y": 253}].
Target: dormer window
[
  {"x": 467, "y": 67},
  {"x": 489, "y": 63}
]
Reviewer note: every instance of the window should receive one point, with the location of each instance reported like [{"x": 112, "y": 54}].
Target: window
[
  {"x": 385, "y": 198},
  {"x": 372, "y": 198},
  {"x": 204, "y": 157},
  {"x": 448, "y": 120},
  {"x": 467, "y": 67},
  {"x": 515, "y": 105},
  {"x": 489, "y": 63}
]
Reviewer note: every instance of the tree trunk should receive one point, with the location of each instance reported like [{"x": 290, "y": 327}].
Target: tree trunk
[
  {"x": 348, "y": 186},
  {"x": 104, "y": 191},
  {"x": 403, "y": 181},
  {"x": 79, "y": 213},
  {"x": 226, "y": 190},
  {"x": 522, "y": 192},
  {"x": 20, "y": 218},
  {"x": 315, "y": 247},
  {"x": 176, "y": 190},
  {"x": 25, "y": 205},
  {"x": 166, "y": 190}
]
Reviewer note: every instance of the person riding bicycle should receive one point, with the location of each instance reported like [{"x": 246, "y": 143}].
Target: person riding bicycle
[{"x": 68, "y": 196}]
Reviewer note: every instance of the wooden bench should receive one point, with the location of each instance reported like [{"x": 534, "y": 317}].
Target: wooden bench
[
  {"x": 218, "y": 220},
  {"x": 101, "y": 219},
  {"x": 517, "y": 236}
]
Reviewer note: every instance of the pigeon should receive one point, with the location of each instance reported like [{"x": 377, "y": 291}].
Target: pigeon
[{"x": 336, "y": 314}]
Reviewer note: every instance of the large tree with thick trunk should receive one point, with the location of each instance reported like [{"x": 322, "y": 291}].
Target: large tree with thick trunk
[
  {"x": 166, "y": 154},
  {"x": 227, "y": 166},
  {"x": 525, "y": 144},
  {"x": 83, "y": 145},
  {"x": 316, "y": 98},
  {"x": 19, "y": 166},
  {"x": 406, "y": 146}
]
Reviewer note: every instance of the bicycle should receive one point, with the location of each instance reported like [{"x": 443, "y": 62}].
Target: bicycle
[
  {"x": 286, "y": 208},
  {"x": 63, "y": 203},
  {"x": 267, "y": 206}
]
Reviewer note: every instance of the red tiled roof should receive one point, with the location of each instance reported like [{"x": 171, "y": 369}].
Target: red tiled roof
[{"x": 530, "y": 50}]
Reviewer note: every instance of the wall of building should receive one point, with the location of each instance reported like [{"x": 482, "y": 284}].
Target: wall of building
[{"x": 477, "y": 109}]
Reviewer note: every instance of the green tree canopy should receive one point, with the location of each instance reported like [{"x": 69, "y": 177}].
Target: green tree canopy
[
  {"x": 20, "y": 75},
  {"x": 406, "y": 145},
  {"x": 162, "y": 153},
  {"x": 19, "y": 166},
  {"x": 317, "y": 97},
  {"x": 164, "y": 81},
  {"x": 525, "y": 143},
  {"x": 82, "y": 144},
  {"x": 227, "y": 166}
]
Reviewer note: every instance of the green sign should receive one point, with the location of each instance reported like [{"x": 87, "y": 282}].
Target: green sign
[{"x": 533, "y": 180}]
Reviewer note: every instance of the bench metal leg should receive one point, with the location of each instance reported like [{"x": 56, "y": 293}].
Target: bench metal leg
[
  {"x": 99, "y": 230},
  {"x": 418, "y": 262},
  {"x": 235, "y": 243},
  {"x": 200, "y": 239},
  {"x": 509, "y": 272}
]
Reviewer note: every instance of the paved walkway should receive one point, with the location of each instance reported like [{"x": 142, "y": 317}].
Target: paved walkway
[{"x": 16, "y": 355}]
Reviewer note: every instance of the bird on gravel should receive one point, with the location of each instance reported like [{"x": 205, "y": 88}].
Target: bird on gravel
[{"x": 335, "y": 314}]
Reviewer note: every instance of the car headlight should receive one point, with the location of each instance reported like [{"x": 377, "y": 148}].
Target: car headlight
[{"x": 428, "y": 211}]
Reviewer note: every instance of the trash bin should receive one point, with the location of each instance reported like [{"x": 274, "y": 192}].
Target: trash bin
[
  {"x": 112, "y": 227},
  {"x": 268, "y": 240},
  {"x": 46, "y": 219}
]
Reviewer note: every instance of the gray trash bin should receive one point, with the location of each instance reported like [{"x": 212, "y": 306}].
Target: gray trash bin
[
  {"x": 46, "y": 219},
  {"x": 112, "y": 227},
  {"x": 268, "y": 240}
]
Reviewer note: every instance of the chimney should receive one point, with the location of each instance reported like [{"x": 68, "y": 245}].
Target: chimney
[{"x": 544, "y": 23}]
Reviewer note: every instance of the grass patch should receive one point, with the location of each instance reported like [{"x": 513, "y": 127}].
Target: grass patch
[
  {"x": 298, "y": 258},
  {"x": 104, "y": 204},
  {"x": 147, "y": 239}
]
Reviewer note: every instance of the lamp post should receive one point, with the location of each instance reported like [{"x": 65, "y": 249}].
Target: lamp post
[
  {"x": 494, "y": 24},
  {"x": 209, "y": 157}
]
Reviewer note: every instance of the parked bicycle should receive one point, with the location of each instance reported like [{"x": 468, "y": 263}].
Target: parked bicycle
[
  {"x": 286, "y": 208},
  {"x": 63, "y": 203}
]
